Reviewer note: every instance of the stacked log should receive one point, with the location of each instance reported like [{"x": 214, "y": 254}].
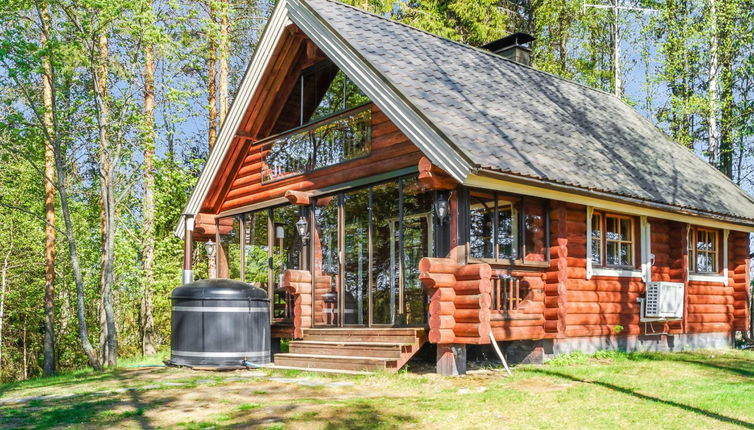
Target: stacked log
[
  {"x": 299, "y": 284},
  {"x": 738, "y": 273},
  {"x": 438, "y": 277},
  {"x": 473, "y": 288},
  {"x": 459, "y": 300},
  {"x": 322, "y": 286}
]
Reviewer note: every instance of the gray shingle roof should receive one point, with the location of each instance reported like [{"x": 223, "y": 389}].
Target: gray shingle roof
[{"x": 514, "y": 119}]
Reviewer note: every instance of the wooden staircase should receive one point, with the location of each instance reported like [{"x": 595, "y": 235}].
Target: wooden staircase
[{"x": 353, "y": 349}]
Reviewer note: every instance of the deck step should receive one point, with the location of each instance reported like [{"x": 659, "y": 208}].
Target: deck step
[
  {"x": 353, "y": 349},
  {"x": 316, "y": 361},
  {"x": 371, "y": 349}
]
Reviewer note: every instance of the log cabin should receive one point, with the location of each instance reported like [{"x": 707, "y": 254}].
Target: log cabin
[{"x": 391, "y": 188}]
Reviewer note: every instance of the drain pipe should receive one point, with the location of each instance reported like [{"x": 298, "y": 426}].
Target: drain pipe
[{"x": 500, "y": 354}]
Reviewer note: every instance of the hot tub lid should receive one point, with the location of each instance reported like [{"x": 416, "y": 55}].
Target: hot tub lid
[{"x": 219, "y": 289}]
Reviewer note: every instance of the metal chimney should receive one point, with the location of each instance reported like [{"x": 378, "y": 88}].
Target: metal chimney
[{"x": 514, "y": 47}]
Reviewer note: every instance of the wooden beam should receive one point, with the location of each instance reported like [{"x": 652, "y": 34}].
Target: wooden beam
[
  {"x": 435, "y": 178},
  {"x": 301, "y": 198}
]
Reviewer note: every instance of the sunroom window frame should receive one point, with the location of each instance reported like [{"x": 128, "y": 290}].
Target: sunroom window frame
[{"x": 518, "y": 230}]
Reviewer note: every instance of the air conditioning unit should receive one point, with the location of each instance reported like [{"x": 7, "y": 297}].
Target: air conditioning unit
[{"x": 663, "y": 301}]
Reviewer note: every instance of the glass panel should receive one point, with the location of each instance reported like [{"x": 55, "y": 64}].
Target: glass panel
[
  {"x": 356, "y": 250},
  {"x": 417, "y": 243},
  {"x": 287, "y": 253},
  {"x": 597, "y": 238},
  {"x": 481, "y": 219},
  {"x": 625, "y": 229},
  {"x": 625, "y": 254},
  {"x": 327, "y": 91},
  {"x": 613, "y": 258},
  {"x": 325, "y": 249},
  {"x": 534, "y": 230},
  {"x": 385, "y": 253},
  {"x": 612, "y": 228},
  {"x": 256, "y": 249},
  {"x": 317, "y": 146},
  {"x": 506, "y": 231}
]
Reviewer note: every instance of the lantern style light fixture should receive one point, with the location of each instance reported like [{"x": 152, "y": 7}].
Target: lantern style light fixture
[
  {"x": 303, "y": 229},
  {"x": 209, "y": 246},
  {"x": 442, "y": 209}
]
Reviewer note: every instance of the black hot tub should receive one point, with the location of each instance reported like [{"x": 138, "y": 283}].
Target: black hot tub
[{"x": 219, "y": 323}]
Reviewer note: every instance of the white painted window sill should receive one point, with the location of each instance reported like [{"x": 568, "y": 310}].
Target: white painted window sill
[
  {"x": 621, "y": 273},
  {"x": 707, "y": 278}
]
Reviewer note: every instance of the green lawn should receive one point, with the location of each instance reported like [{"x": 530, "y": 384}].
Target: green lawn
[{"x": 710, "y": 389}]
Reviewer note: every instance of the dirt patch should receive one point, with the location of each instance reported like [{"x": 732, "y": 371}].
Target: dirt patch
[{"x": 540, "y": 385}]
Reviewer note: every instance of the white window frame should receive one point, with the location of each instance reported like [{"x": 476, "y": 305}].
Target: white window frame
[
  {"x": 644, "y": 272},
  {"x": 712, "y": 277}
]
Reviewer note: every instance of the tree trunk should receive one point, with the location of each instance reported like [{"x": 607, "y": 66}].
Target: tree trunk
[
  {"x": 617, "y": 80},
  {"x": 713, "y": 145},
  {"x": 224, "y": 52},
  {"x": 107, "y": 196},
  {"x": 147, "y": 321},
  {"x": 3, "y": 288},
  {"x": 211, "y": 89},
  {"x": 60, "y": 183},
  {"x": 48, "y": 367}
]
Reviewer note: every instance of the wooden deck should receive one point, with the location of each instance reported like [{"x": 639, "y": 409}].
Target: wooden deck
[{"x": 354, "y": 349}]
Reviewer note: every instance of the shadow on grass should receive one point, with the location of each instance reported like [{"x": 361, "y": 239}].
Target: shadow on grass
[
  {"x": 689, "y": 408},
  {"x": 738, "y": 362},
  {"x": 353, "y": 415},
  {"x": 90, "y": 409}
]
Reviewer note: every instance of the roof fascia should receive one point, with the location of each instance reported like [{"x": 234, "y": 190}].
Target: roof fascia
[
  {"x": 533, "y": 187},
  {"x": 417, "y": 128},
  {"x": 248, "y": 87}
]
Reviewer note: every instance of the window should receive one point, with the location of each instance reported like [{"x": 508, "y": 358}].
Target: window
[
  {"x": 506, "y": 228},
  {"x": 492, "y": 226},
  {"x": 702, "y": 252},
  {"x": 613, "y": 240}
]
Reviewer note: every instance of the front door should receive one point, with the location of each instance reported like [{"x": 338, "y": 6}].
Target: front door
[{"x": 366, "y": 247}]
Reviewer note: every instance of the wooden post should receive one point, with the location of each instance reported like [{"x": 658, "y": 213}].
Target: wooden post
[
  {"x": 242, "y": 253},
  {"x": 188, "y": 273},
  {"x": 451, "y": 359}
]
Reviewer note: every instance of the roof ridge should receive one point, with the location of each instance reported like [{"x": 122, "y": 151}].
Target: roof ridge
[{"x": 473, "y": 48}]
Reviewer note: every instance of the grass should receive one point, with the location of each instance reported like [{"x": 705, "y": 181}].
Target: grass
[{"x": 707, "y": 389}]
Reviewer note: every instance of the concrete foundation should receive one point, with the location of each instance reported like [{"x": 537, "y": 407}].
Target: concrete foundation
[{"x": 539, "y": 351}]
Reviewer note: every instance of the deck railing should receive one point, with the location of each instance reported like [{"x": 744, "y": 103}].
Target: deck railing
[
  {"x": 333, "y": 140},
  {"x": 507, "y": 292},
  {"x": 282, "y": 306}
]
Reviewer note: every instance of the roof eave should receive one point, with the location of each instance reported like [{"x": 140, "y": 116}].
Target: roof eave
[{"x": 594, "y": 197}]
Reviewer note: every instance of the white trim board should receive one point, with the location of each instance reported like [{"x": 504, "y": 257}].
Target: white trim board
[
  {"x": 621, "y": 273},
  {"x": 712, "y": 277}
]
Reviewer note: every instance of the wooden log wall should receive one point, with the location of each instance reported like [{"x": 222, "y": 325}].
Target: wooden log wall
[
  {"x": 739, "y": 279},
  {"x": 567, "y": 261},
  {"x": 668, "y": 244},
  {"x": 391, "y": 150},
  {"x": 459, "y": 307},
  {"x": 299, "y": 284}
]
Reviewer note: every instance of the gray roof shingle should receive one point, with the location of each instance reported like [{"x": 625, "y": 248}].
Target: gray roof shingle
[{"x": 515, "y": 119}]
